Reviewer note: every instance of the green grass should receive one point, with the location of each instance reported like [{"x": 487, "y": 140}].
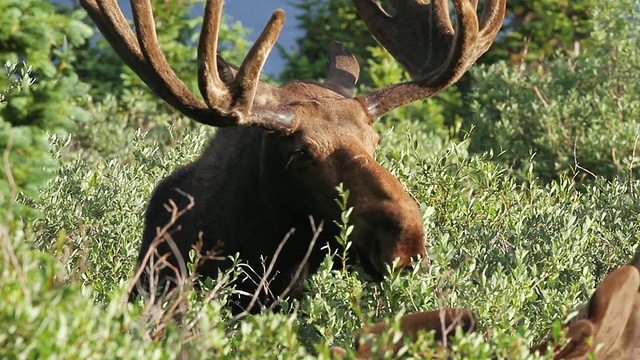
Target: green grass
[{"x": 521, "y": 255}]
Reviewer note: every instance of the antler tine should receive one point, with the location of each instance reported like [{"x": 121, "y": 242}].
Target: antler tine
[
  {"x": 211, "y": 85},
  {"x": 178, "y": 94},
  {"x": 113, "y": 25},
  {"x": 227, "y": 104},
  {"x": 441, "y": 9},
  {"x": 117, "y": 32},
  {"x": 491, "y": 21},
  {"x": 233, "y": 102},
  {"x": 466, "y": 36},
  {"x": 248, "y": 76},
  {"x": 435, "y": 54}
]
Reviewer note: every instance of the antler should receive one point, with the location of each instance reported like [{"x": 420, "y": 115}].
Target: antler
[
  {"x": 421, "y": 37},
  {"x": 229, "y": 100}
]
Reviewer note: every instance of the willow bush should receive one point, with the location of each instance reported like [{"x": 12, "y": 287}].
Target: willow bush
[
  {"x": 575, "y": 115},
  {"x": 511, "y": 234}
]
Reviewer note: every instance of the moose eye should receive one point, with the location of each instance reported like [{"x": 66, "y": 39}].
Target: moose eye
[
  {"x": 300, "y": 153},
  {"x": 299, "y": 156}
]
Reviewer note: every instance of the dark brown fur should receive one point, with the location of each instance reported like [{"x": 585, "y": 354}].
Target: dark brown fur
[{"x": 250, "y": 188}]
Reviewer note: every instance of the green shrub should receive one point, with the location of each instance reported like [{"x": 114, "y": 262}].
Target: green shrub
[
  {"x": 35, "y": 98},
  {"x": 575, "y": 115},
  {"x": 521, "y": 254},
  {"x": 27, "y": 112},
  {"x": 537, "y": 30},
  {"x": 85, "y": 208},
  {"x": 42, "y": 316},
  {"x": 37, "y": 31}
]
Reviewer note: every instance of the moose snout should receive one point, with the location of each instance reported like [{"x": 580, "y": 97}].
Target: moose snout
[
  {"x": 407, "y": 247},
  {"x": 387, "y": 221},
  {"x": 389, "y": 235}
]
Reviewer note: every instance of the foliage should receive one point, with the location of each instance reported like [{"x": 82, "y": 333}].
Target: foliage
[
  {"x": 27, "y": 112},
  {"x": 521, "y": 254},
  {"x": 91, "y": 192},
  {"x": 574, "y": 114},
  {"x": 36, "y": 31},
  {"x": 489, "y": 238},
  {"x": 536, "y": 30},
  {"x": 35, "y": 99},
  {"x": 42, "y": 316}
]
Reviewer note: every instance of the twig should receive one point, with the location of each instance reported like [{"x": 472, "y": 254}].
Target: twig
[
  {"x": 8, "y": 251},
  {"x": 264, "y": 278},
  {"x": 544, "y": 101},
  {"x": 160, "y": 233},
  {"x": 212, "y": 294},
  {"x": 447, "y": 329},
  {"x": 575, "y": 159},
  {"x": 413, "y": 302},
  {"x": 632, "y": 162},
  {"x": 12, "y": 183},
  {"x": 316, "y": 234}
]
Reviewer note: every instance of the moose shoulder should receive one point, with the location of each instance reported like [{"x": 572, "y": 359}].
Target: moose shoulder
[{"x": 280, "y": 152}]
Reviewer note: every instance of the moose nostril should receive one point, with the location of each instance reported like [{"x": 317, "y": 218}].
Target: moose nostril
[{"x": 393, "y": 236}]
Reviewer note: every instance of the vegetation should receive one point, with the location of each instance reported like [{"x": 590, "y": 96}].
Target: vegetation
[
  {"x": 525, "y": 211},
  {"x": 571, "y": 114}
]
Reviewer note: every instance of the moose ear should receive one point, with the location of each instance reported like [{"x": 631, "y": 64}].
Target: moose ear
[{"x": 343, "y": 70}]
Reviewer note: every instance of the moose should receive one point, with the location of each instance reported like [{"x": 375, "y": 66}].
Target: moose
[
  {"x": 270, "y": 172},
  {"x": 607, "y": 326}
]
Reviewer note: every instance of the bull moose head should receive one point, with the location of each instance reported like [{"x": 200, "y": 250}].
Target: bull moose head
[{"x": 281, "y": 151}]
